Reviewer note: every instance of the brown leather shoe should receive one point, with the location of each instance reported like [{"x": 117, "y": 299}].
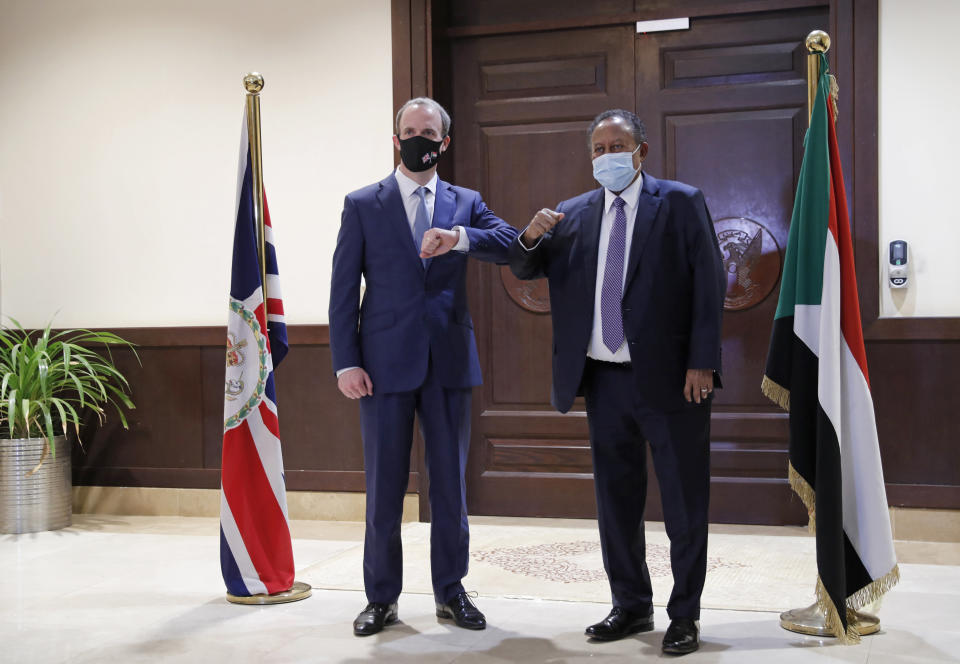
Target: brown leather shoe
[
  {"x": 372, "y": 619},
  {"x": 620, "y": 623},
  {"x": 682, "y": 637},
  {"x": 463, "y": 612}
]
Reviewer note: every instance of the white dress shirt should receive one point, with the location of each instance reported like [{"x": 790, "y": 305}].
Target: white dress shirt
[
  {"x": 411, "y": 201},
  {"x": 630, "y": 196}
]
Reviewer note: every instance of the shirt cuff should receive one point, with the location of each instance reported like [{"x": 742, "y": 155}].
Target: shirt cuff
[
  {"x": 343, "y": 371},
  {"x": 525, "y": 247},
  {"x": 463, "y": 244}
]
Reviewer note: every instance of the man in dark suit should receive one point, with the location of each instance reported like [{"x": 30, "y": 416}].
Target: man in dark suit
[
  {"x": 409, "y": 348},
  {"x": 636, "y": 293}
]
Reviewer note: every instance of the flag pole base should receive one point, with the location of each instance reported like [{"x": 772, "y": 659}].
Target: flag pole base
[
  {"x": 812, "y": 621},
  {"x": 297, "y": 592}
]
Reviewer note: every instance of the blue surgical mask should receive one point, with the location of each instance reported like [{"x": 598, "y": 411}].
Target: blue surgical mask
[{"x": 615, "y": 170}]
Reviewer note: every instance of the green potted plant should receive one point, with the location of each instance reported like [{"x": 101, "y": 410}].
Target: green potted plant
[{"x": 48, "y": 381}]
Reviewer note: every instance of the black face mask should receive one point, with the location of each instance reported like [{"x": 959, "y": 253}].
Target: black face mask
[{"x": 419, "y": 153}]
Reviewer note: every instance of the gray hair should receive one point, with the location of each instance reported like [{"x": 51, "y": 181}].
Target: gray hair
[
  {"x": 429, "y": 103},
  {"x": 636, "y": 124}
]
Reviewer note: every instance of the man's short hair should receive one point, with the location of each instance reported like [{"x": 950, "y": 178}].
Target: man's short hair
[
  {"x": 429, "y": 103},
  {"x": 632, "y": 119}
]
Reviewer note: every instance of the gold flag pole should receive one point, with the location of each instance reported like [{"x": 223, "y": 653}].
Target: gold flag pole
[
  {"x": 817, "y": 42},
  {"x": 811, "y": 620},
  {"x": 253, "y": 83}
]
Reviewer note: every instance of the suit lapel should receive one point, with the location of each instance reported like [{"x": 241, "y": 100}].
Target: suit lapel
[
  {"x": 444, "y": 206},
  {"x": 647, "y": 207},
  {"x": 395, "y": 216},
  {"x": 590, "y": 236}
]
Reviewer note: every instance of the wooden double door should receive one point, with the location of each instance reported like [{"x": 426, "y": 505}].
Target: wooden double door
[{"x": 724, "y": 103}]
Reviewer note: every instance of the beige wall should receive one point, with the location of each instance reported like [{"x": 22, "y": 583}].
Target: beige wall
[
  {"x": 119, "y": 133},
  {"x": 119, "y": 130},
  {"x": 919, "y": 138}
]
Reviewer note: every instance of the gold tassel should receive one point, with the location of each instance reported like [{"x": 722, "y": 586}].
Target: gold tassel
[
  {"x": 807, "y": 495},
  {"x": 776, "y": 393}
]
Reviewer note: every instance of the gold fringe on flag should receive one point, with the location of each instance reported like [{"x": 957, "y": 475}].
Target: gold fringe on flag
[
  {"x": 874, "y": 590},
  {"x": 776, "y": 393},
  {"x": 807, "y": 495},
  {"x": 869, "y": 593},
  {"x": 832, "y": 617}
]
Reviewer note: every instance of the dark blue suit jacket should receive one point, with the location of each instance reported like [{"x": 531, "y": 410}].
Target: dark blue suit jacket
[
  {"x": 409, "y": 314},
  {"x": 673, "y": 295}
]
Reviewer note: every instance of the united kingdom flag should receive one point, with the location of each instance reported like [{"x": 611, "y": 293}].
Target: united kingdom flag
[{"x": 256, "y": 555}]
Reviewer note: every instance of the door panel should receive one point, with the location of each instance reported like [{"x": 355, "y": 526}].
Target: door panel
[
  {"x": 521, "y": 107},
  {"x": 724, "y": 105}
]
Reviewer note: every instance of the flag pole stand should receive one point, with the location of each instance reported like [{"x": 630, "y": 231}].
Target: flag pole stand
[
  {"x": 253, "y": 84},
  {"x": 812, "y": 621},
  {"x": 298, "y": 591}
]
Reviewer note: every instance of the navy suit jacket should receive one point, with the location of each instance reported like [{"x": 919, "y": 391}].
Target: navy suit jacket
[
  {"x": 410, "y": 315},
  {"x": 672, "y": 299}
]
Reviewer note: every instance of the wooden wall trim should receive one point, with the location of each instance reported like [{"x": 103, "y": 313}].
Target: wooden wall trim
[
  {"x": 209, "y": 478},
  {"x": 928, "y": 496},
  {"x": 178, "y": 478},
  {"x": 412, "y": 49},
  {"x": 211, "y": 335}
]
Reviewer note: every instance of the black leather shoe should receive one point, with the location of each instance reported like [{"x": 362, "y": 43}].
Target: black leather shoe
[
  {"x": 620, "y": 623},
  {"x": 463, "y": 612},
  {"x": 372, "y": 619},
  {"x": 682, "y": 636}
]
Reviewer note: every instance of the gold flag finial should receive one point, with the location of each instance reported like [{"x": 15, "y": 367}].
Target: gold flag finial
[
  {"x": 253, "y": 82},
  {"x": 818, "y": 41}
]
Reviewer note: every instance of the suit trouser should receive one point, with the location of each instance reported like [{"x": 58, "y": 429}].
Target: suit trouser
[
  {"x": 387, "y": 428},
  {"x": 620, "y": 424}
]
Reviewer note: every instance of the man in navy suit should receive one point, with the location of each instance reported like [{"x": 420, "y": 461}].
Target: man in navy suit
[
  {"x": 636, "y": 294},
  {"x": 409, "y": 348}
]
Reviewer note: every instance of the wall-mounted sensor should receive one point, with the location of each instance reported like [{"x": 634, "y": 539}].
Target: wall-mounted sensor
[{"x": 897, "y": 268}]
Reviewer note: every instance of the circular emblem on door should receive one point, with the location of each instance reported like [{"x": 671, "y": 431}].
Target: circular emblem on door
[
  {"x": 533, "y": 296},
  {"x": 751, "y": 259}
]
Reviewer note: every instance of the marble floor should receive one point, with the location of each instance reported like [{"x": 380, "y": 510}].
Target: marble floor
[{"x": 148, "y": 589}]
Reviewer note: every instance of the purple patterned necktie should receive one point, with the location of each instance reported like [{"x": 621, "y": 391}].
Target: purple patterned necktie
[{"x": 611, "y": 317}]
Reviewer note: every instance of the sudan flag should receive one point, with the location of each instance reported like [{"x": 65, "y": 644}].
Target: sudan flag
[{"x": 817, "y": 369}]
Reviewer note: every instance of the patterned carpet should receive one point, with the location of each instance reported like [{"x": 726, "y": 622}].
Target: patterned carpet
[{"x": 745, "y": 572}]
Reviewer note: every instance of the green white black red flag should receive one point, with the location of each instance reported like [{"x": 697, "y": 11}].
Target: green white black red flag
[{"x": 817, "y": 369}]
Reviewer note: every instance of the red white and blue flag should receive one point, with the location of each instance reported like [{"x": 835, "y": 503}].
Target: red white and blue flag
[{"x": 256, "y": 555}]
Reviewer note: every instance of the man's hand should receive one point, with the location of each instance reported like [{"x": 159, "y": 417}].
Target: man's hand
[
  {"x": 355, "y": 383},
  {"x": 699, "y": 384},
  {"x": 542, "y": 222},
  {"x": 438, "y": 241}
]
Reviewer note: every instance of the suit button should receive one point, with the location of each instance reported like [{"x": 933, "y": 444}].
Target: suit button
[{"x": 626, "y": 309}]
